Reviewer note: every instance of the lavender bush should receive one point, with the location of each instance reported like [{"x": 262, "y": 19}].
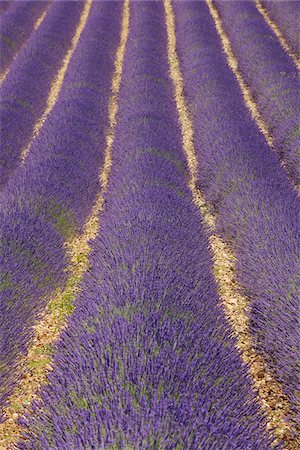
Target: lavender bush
[
  {"x": 257, "y": 211},
  {"x": 49, "y": 198},
  {"x": 287, "y": 17},
  {"x": 147, "y": 360},
  {"x": 25, "y": 91},
  {"x": 4, "y": 6},
  {"x": 16, "y": 25},
  {"x": 271, "y": 76}
]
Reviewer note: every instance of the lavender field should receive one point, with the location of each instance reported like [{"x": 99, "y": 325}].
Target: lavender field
[{"x": 150, "y": 225}]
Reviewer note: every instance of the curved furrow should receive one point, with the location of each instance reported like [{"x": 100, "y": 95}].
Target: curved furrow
[
  {"x": 35, "y": 79},
  {"x": 16, "y": 25},
  {"x": 286, "y": 18},
  {"x": 256, "y": 210},
  {"x": 147, "y": 360},
  {"x": 271, "y": 76},
  {"x": 50, "y": 197}
]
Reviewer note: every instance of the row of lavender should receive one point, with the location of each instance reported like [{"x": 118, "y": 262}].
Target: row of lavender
[
  {"x": 16, "y": 25},
  {"x": 257, "y": 210},
  {"x": 147, "y": 360},
  {"x": 270, "y": 74},
  {"x": 49, "y": 198},
  {"x": 221, "y": 202},
  {"x": 287, "y": 18},
  {"x": 25, "y": 91}
]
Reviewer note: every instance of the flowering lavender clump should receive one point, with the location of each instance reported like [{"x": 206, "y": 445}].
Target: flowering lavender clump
[
  {"x": 271, "y": 75},
  {"x": 257, "y": 211},
  {"x": 48, "y": 199},
  {"x": 147, "y": 360},
  {"x": 16, "y": 26},
  {"x": 4, "y": 6},
  {"x": 286, "y": 16},
  {"x": 25, "y": 91}
]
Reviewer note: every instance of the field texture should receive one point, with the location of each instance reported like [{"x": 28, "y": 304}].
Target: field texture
[{"x": 149, "y": 225}]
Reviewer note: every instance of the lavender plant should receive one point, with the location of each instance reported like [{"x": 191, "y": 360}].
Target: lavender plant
[
  {"x": 271, "y": 76},
  {"x": 4, "y": 6},
  {"x": 287, "y": 17},
  {"x": 25, "y": 91},
  {"x": 49, "y": 198},
  {"x": 147, "y": 360},
  {"x": 16, "y": 26},
  {"x": 256, "y": 209}
]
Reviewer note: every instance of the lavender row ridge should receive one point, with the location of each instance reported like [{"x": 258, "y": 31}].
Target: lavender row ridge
[
  {"x": 147, "y": 360},
  {"x": 256, "y": 209},
  {"x": 16, "y": 25},
  {"x": 25, "y": 91},
  {"x": 271, "y": 76},
  {"x": 287, "y": 18},
  {"x": 49, "y": 198}
]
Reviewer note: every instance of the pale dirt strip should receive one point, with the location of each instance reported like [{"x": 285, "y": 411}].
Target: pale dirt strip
[
  {"x": 269, "y": 394},
  {"x": 248, "y": 98},
  {"x": 278, "y": 33},
  {"x": 58, "y": 80},
  {"x": 36, "y": 26},
  {"x": 37, "y": 363}
]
